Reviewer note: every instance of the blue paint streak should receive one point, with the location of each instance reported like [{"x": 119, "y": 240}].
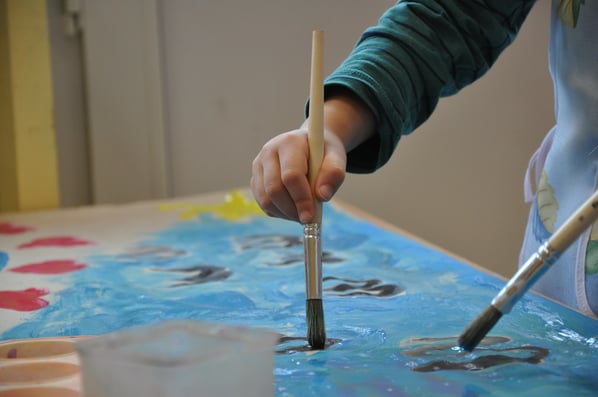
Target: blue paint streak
[
  {"x": 442, "y": 296},
  {"x": 3, "y": 260}
]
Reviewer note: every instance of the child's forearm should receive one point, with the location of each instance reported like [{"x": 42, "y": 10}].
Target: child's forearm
[{"x": 347, "y": 117}]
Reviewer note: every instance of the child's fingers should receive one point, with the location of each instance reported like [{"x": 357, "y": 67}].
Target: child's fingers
[
  {"x": 257, "y": 188},
  {"x": 293, "y": 168},
  {"x": 332, "y": 173}
]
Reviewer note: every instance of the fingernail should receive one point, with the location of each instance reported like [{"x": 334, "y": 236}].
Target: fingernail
[{"x": 326, "y": 192}]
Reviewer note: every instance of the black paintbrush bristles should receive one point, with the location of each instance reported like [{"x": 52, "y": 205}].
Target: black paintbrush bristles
[
  {"x": 478, "y": 328},
  {"x": 316, "y": 330}
]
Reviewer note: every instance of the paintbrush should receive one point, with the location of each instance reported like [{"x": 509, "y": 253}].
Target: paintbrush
[
  {"x": 316, "y": 330},
  {"x": 530, "y": 272}
]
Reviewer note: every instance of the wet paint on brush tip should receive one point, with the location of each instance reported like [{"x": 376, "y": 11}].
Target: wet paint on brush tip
[{"x": 296, "y": 344}]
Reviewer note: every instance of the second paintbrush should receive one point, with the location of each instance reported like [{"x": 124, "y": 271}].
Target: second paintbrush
[
  {"x": 530, "y": 272},
  {"x": 316, "y": 330}
]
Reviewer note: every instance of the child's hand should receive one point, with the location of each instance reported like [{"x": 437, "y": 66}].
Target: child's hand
[{"x": 279, "y": 182}]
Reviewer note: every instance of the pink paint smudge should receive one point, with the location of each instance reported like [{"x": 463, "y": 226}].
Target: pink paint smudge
[
  {"x": 24, "y": 300},
  {"x": 10, "y": 228},
  {"x": 50, "y": 267},
  {"x": 55, "y": 242},
  {"x": 12, "y": 353}
]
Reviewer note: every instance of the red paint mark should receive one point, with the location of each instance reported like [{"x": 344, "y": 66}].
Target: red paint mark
[
  {"x": 12, "y": 353},
  {"x": 50, "y": 267},
  {"x": 25, "y": 300},
  {"x": 9, "y": 228},
  {"x": 55, "y": 242}
]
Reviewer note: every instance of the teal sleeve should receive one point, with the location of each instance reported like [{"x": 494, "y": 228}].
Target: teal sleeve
[{"x": 421, "y": 51}]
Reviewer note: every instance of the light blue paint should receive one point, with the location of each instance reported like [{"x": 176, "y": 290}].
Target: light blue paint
[
  {"x": 3, "y": 259},
  {"x": 442, "y": 296}
]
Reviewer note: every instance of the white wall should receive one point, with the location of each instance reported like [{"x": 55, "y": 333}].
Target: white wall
[{"x": 235, "y": 73}]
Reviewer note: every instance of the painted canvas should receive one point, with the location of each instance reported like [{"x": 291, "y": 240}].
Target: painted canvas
[{"x": 393, "y": 306}]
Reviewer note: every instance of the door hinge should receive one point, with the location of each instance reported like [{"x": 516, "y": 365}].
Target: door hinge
[{"x": 71, "y": 15}]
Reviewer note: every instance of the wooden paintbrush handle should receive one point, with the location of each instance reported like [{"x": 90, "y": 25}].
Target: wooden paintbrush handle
[
  {"x": 573, "y": 227},
  {"x": 315, "y": 123},
  {"x": 546, "y": 255}
]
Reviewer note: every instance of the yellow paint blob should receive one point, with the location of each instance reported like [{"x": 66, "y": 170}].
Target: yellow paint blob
[{"x": 235, "y": 207}]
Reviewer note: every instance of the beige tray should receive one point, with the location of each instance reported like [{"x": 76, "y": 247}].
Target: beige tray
[{"x": 41, "y": 367}]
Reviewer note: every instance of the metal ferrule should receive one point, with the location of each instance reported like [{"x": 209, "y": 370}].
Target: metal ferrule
[
  {"x": 313, "y": 260},
  {"x": 527, "y": 275}
]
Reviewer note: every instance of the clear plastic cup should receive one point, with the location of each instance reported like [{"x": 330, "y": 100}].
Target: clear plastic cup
[{"x": 179, "y": 359}]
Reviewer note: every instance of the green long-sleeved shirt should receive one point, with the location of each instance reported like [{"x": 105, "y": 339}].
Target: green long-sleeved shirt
[{"x": 421, "y": 51}]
